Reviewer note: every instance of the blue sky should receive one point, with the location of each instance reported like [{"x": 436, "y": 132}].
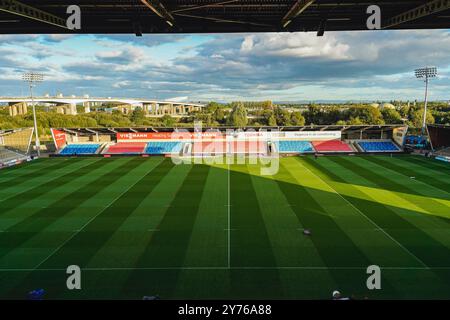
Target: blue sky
[{"x": 369, "y": 65}]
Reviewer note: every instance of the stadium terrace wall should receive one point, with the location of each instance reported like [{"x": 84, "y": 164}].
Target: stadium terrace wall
[{"x": 439, "y": 136}]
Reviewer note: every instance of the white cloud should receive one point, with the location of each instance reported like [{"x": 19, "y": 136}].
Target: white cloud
[
  {"x": 351, "y": 65},
  {"x": 296, "y": 45},
  {"x": 122, "y": 84}
]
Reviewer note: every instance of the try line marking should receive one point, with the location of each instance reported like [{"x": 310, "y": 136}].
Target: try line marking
[
  {"x": 368, "y": 219},
  {"x": 224, "y": 268}
]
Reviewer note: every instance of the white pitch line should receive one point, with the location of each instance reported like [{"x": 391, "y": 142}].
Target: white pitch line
[
  {"x": 223, "y": 268},
  {"x": 368, "y": 219},
  {"x": 89, "y": 221}
]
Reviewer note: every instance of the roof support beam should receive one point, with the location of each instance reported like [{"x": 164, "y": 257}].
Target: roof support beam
[
  {"x": 214, "y": 4},
  {"x": 298, "y": 7},
  {"x": 24, "y": 10},
  {"x": 424, "y": 10},
  {"x": 157, "y": 7},
  {"x": 223, "y": 20}
]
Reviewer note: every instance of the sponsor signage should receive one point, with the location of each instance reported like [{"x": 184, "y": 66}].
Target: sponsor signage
[
  {"x": 399, "y": 135},
  {"x": 167, "y": 135},
  {"x": 288, "y": 135},
  {"x": 311, "y": 135},
  {"x": 59, "y": 138},
  {"x": 235, "y": 135}
]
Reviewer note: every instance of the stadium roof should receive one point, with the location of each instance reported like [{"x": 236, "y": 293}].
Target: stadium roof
[{"x": 212, "y": 16}]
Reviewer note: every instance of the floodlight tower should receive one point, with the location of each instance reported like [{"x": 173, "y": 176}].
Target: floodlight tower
[
  {"x": 33, "y": 78},
  {"x": 426, "y": 73}
]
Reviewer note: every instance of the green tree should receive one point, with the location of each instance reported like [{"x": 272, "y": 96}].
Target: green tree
[
  {"x": 167, "y": 121},
  {"x": 219, "y": 115},
  {"x": 416, "y": 119},
  {"x": 238, "y": 117},
  {"x": 391, "y": 116},
  {"x": 283, "y": 117},
  {"x": 297, "y": 119},
  {"x": 213, "y": 106},
  {"x": 272, "y": 121},
  {"x": 137, "y": 116}
]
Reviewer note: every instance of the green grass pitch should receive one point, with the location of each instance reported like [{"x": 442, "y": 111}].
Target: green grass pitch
[{"x": 144, "y": 226}]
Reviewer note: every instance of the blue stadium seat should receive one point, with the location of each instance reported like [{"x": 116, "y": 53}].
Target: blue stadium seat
[
  {"x": 73, "y": 149},
  {"x": 294, "y": 146},
  {"x": 378, "y": 146},
  {"x": 163, "y": 147}
]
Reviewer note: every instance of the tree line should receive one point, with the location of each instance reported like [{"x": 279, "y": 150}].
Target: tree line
[{"x": 239, "y": 114}]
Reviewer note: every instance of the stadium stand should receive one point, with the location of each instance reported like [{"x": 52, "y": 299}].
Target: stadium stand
[
  {"x": 294, "y": 146},
  {"x": 416, "y": 141},
  {"x": 331, "y": 146},
  {"x": 126, "y": 148},
  {"x": 74, "y": 149},
  {"x": 163, "y": 147},
  {"x": 378, "y": 146}
]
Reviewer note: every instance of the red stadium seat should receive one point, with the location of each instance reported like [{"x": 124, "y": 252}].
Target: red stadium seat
[
  {"x": 331, "y": 146},
  {"x": 127, "y": 148}
]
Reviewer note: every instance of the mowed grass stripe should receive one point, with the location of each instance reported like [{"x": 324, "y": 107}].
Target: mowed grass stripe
[
  {"x": 132, "y": 237},
  {"x": 31, "y": 194},
  {"x": 27, "y": 168},
  {"x": 85, "y": 243},
  {"x": 31, "y": 226},
  {"x": 435, "y": 220},
  {"x": 393, "y": 181},
  {"x": 208, "y": 244},
  {"x": 412, "y": 170},
  {"x": 333, "y": 244},
  {"x": 33, "y": 188},
  {"x": 250, "y": 243},
  {"x": 42, "y": 170},
  {"x": 168, "y": 247},
  {"x": 291, "y": 247},
  {"x": 52, "y": 242},
  {"x": 421, "y": 245},
  {"x": 431, "y": 164}
]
